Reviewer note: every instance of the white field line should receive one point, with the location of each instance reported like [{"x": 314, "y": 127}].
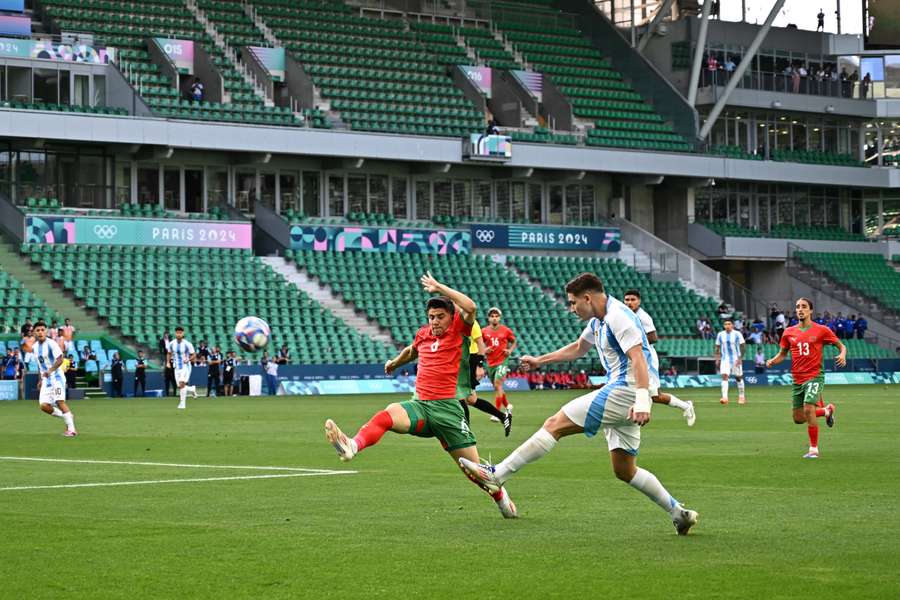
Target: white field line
[
  {"x": 158, "y": 481},
  {"x": 157, "y": 464}
]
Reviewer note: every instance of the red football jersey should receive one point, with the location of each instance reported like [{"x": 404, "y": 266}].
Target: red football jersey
[
  {"x": 498, "y": 339},
  {"x": 439, "y": 360},
  {"x": 806, "y": 350}
]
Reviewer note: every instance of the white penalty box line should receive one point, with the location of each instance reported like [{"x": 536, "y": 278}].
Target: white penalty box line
[{"x": 290, "y": 472}]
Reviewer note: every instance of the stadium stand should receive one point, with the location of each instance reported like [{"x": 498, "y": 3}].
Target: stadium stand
[
  {"x": 696, "y": 347},
  {"x": 488, "y": 49},
  {"x": 18, "y": 304},
  {"x": 68, "y": 108},
  {"x": 442, "y": 41},
  {"x": 673, "y": 307},
  {"x": 868, "y": 274},
  {"x": 206, "y": 302},
  {"x": 817, "y": 157},
  {"x": 795, "y": 232}
]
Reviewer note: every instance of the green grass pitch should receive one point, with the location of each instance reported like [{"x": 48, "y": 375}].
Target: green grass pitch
[{"x": 408, "y": 524}]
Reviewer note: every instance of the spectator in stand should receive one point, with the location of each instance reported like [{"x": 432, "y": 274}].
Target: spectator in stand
[
  {"x": 212, "y": 372},
  {"x": 780, "y": 324},
  {"x": 537, "y": 380},
  {"x": 53, "y": 330},
  {"x": 860, "y": 327},
  {"x": 795, "y": 80},
  {"x": 582, "y": 381},
  {"x": 202, "y": 353},
  {"x": 140, "y": 374},
  {"x": 758, "y": 325},
  {"x": 566, "y": 380},
  {"x": 284, "y": 355},
  {"x": 68, "y": 331},
  {"x": 821, "y": 19},
  {"x": 756, "y": 337},
  {"x": 728, "y": 67},
  {"x": 864, "y": 86},
  {"x": 117, "y": 369},
  {"x": 712, "y": 65},
  {"x": 11, "y": 364},
  {"x": 760, "y": 360},
  {"x": 163, "y": 345},
  {"x": 838, "y": 326},
  {"x": 739, "y": 324},
  {"x": 819, "y": 320},
  {"x": 197, "y": 90},
  {"x": 671, "y": 371}
]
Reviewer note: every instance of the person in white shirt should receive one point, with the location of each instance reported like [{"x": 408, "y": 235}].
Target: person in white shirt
[
  {"x": 52, "y": 385},
  {"x": 181, "y": 353},
  {"x": 270, "y": 366},
  {"x": 729, "y": 357},
  {"x": 632, "y": 300},
  {"x": 619, "y": 409}
]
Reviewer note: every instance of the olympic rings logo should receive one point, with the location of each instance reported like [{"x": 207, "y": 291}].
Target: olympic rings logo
[
  {"x": 484, "y": 235},
  {"x": 106, "y": 232}
]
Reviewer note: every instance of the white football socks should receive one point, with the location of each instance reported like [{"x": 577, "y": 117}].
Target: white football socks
[
  {"x": 534, "y": 448},
  {"x": 675, "y": 402},
  {"x": 69, "y": 418},
  {"x": 725, "y": 389},
  {"x": 57, "y": 413},
  {"x": 647, "y": 483},
  {"x": 740, "y": 387},
  {"x": 182, "y": 393}
]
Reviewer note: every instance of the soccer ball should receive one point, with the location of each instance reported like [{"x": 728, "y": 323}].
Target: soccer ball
[{"x": 252, "y": 334}]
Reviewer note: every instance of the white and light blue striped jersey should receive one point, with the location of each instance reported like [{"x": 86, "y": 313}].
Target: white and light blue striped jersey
[
  {"x": 648, "y": 327},
  {"x": 181, "y": 353},
  {"x": 620, "y": 331},
  {"x": 729, "y": 345},
  {"x": 46, "y": 353}
]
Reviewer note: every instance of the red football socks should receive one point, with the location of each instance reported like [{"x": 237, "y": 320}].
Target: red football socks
[
  {"x": 500, "y": 401},
  {"x": 820, "y": 412},
  {"x": 371, "y": 432},
  {"x": 813, "y": 431}
]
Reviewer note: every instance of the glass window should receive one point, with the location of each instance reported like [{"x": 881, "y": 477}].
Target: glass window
[
  {"x": 555, "y": 213},
  {"x": 891, "y": 76},
  {"x": 217, "y": 184},
  {"x": 588, "y": 216},
  {"x": 245, "y": 190},
  {"x": 462, "y": 199},
  {"x": 443, "y": 198},
  {"x": 123, "y": 183},
  {"x": 535, "y": 201},
  {"x": 46, "y": 85},
  {"x": 399, "y": 196},
  {"x": 483, "y": 200},
  {"x": 891, "y": 213},
  {"x": 573, "y": 204},
  {"x": 832, "y": 211},
  {"x": 82, "y": 95},
  {"x": 702, "y": 209},
  {"x": 311, "y": 193},
  {"x": 99, "y": 90},
  {"x": 172, "y": 188},
  {"x": 785, "y": 206},
  {"x": 378, "y": 194},
  {"x": 719, "y": 203},
  {"x": 518, "y": 202},
  {"x": 801, "y": 207},
  {"x": 289, "y": 188},
  {"x": 356, "y": 194},
  {"x": 148, "y": 185},
  {"x": 818, "y": 214},
  {"x": 503, "y": 201},
  {"x": 336, "y": 195},
  {"x": 266, "y": 189},
  {"x": 763, "y": 212},
  {"x": 423, "y": 200},
  {"x": 193, "y": 190}
]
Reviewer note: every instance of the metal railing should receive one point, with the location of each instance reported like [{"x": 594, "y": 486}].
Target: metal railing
[{"x": 783, "y": 83}]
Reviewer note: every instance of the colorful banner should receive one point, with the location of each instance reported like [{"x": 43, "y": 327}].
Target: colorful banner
[
  {"x": 480, "y": 76},
  {"x": 273, "y": 59},
  {"x": 373, "y": 239},
  {"x": 49, "y": 50},
  {"x": 489, "y": 146},
  {"x": 9, "y": 390},
  {"x": 13, "y": 25},
  {"x": 531, "y": 81},
  {"x": 547, "y": 237},
  {"x": 137, "y": 232},
  {"x": 12, "y": 5},
  {"x": 180, "y": 51}
]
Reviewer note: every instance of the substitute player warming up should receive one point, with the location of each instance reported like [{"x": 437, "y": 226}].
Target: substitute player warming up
[
  {"x": 442, "y": 348},
  {"x": 805, "y": 342},
  {"x": 50, "y": 360},
  {"x": 619, "y": 409}
]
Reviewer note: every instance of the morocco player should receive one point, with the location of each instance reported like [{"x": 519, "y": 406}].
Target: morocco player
[
  {"x": 632, "y": 300},
  {"x": 52, "y": 398},
  {"x": 442, "y": 349},
  {"x": 618, "y": 410},
  {"x": 805, "y": 342},
  {"x": 476, "y": 365},
  {"x": 500, "y": 343},
  {"x": 729, "y": 359},
  {"x": 181, "y": 355}
]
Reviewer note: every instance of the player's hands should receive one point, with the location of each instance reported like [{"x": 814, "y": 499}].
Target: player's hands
[
  {"x": 488, "y": 350},
  {"x": 429, "y": 283},
  {"x": 841, "y": 360},
  {"x": 507, "y": 352},
  {"x": 641, "y": 418},
  {"x": 389, "y": 367},
  {"x": 529, "y": 363},
  {"x": 769, "y": 363}
]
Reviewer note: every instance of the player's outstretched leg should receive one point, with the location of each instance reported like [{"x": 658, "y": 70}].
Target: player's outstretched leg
[
  {"x": 626, "y": 469},
  {"x": 686, "y": 407},
  {"x": 499, "y": 494},
  {"x": 61, "y": 411},
  {"x": 393, "y": 418}
]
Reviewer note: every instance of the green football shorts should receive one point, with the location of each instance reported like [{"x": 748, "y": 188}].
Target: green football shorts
[
  {"x": 441, "y": 419},
  {"x": 498, "y": 372},
  {"x": 809, "y": 392}
]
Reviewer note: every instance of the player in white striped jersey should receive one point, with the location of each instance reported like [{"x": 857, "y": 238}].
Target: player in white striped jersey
[
  {"x": 52, "y": 385},
  {"x": 729, "y": 357},
  {"x": 632, "y": 300},
  {"x": 619, "y": 409},
  {"x": 181, "y": 353}
]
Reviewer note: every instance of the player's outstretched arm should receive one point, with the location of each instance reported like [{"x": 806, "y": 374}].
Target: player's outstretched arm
[
  {"x": 466, "y": 305},
  {"x": 777, "y": 359},
  {"x": 407, "y": 355},
  {"x": 573, "y": 351},
  {"x": 841, "y": 359}
]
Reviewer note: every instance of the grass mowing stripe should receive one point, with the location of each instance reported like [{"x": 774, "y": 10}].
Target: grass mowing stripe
[{"x": 159, "y": 464}]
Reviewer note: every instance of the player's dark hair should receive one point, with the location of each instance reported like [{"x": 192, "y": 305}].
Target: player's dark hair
[
  {"x": 807, "y": 300},
  {"x": 727, "y": 321},
  {"x": 634, "y": 293},
  {"x": 440, "y": 302},
  {"x": 39, "y": 324},
  {"x": 179, "y": 328},
  {"x": 584, "y": 283}
]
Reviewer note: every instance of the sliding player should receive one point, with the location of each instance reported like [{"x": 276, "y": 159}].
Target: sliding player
[
  {"x": 434, "y": 411},
  {"x": 805, "y": 342},
  {"x": 52, "y": 398}
]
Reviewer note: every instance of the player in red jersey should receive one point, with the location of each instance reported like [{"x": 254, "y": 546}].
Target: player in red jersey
[
  {"x": 805, "y": 342},
  {"x": 442, "y": 348},
  {"x": 500, "y": 342}
]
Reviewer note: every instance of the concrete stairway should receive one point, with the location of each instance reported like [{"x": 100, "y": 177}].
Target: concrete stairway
[{"x": 324, "y": 296}]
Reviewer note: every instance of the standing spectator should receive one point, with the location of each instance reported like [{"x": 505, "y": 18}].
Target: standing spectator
[
  {"x": 780, "y": 324},
  {"x": 755, "y": 337},
  {"x": 212, "y": 373},
  {"x": 860, "y": 326},
  {"x": 197, "y": 90},
  {"x": 117, "y": 368},
  {"x": 760, "y": 360},
  {"x": 53, "y": 330},
  {"x": 25, "y": 330},
  {"x": 864, "y": 86},
  {"x": 846, "y": 83},
  {"x": 712, "y": 65},
  {"x": 728, "y": 67},
  {"x": 228, "y": 375},
  {"x": 163, "y": 346},
  {"x": 11, "y": 364},
  {"x": 821, "y": 19},
  {"x": 838, "y": 326},
  {"x": 739, "y": 324},
  {"x": 68, "y": 331},
  {"x": 140, "y": 374},
  {"x": 71, "y": 373},
  {"x": 271, "y": 367},
  {"x": 715, "y": 11},
  {"x": 795, "y": 80},
  {"x": 169, "y": 375},
  {"x": 284, "y": 355},
  {"x": 202, "y": 353}
]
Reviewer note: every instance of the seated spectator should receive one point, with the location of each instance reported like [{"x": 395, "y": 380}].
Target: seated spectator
[
  {"x": 197, "y": 90},
  {"x": 582, "y": 381},
  {"x": 537, "y": 380},
  {"x": 671, "y": 371},
  {"x": 566, "y": 380}
]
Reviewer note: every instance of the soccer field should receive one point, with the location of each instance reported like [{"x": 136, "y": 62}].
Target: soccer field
[{"x": 402, "y": 521}]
